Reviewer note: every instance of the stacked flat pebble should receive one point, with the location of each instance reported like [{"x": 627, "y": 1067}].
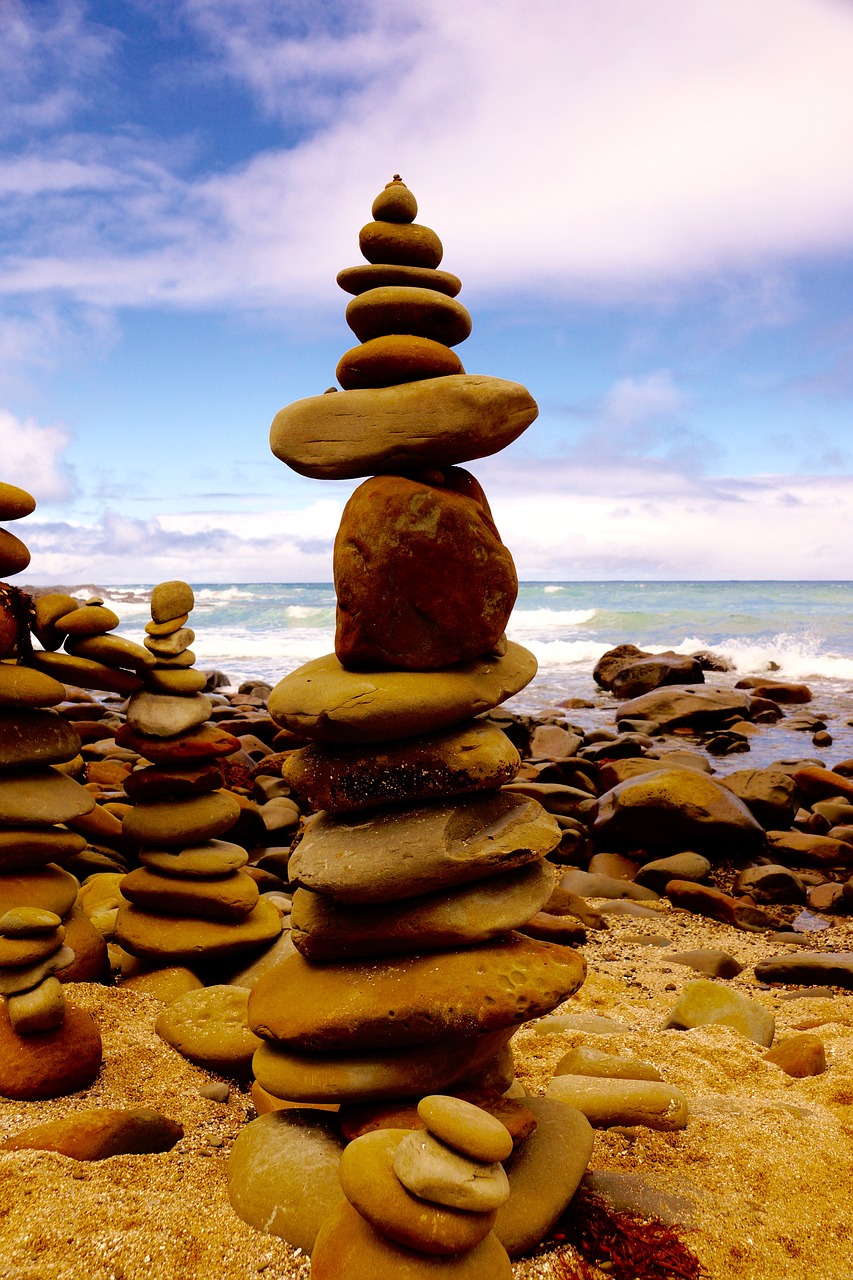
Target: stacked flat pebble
[
  {"x": 416, "y": 1197},
  {"x": 190, "y": 900},
  {"x": 45, "y": 1050}
]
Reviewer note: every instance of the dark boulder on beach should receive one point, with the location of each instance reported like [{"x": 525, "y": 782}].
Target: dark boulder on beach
[{"x": 627, "y": 671}]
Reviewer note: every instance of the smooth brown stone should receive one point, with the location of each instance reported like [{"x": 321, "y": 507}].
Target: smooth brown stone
[
  {"x": 327, "y": 703},
  {"x": 182, "y": 821},
  {"x": 673, "y": 810},
  {"x": 32, "y": 797},
  {"x": 467, "y": 1128},
  {"x": 87, "y": 620},
  {"x": 180, "y": 662},
  {"x": 178, "y": 940},
  {"x": 167, "y": 628},
  {"x": 25, "y": 849},
  {"x": 435, "y": 422},
  {"x": 378, "y": 1077},
  {"x": 166, "y": 716},
  {"x": 411, "y": 1000},
  {"x": 822, "y": 784},
  {"x": 28, "y": 922},
  {"x": 49, "y": 888},
  {"x": 422, "y": 578},
  {"x": 376, "y": 275},
  {"x": 113, "y": 651},
  {"x": 583, "y": 1060},
  {"x": 347, "y": 1248},
  {"x": 171, "y": 599},
  {"x": 471, "y": 757},
  {"x": 203, "y": 744},
  {"x": 166, "y": 984},
  {"x": 87, "y": 674},
  {"x": 98, "y": 1133},
  {"x": 48, "y": 608},
  {"x": 358, "y": 1118},
  {"x": 18, "y": 952},
  {"x": 322, "y": 929},
  {"x": 209, "y": 1027},
  {"x": 35, "y": 737},
  {"x": 372, "y": 1187},
  {"x": 40, "y": 1009},
  {"x": 15, "y": 503},
  {"x": 393, "y": 854},
  {"x": 25, "y": 687},
  {"x": 394, "y": 358},
  {"x": 407, "y": 244},
  {"x": 229, "y": 897},
  {"x": 28, "y": 977},
  {"x": 170, "y": 646},
  {"x": 176, "y": 681},
  {"x": 14, "y": 555},
  {"x": 91, "y": 962},
  {"x": 799, "y": 1056},
  {"x": 401, "y": 309},
  {"x": 52, "y": 1064},
  {"x": 199, "y": 861},
  {"x": 153, "y": 783},
  {"x": 439, "y": 1173},
  {"x": 395, "y": 203}
]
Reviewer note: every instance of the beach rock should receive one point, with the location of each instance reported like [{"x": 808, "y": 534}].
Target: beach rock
[
  {"x": 111, "y": 650},
  {"x": 515, "y": 1118},
  {"x": 16, "y": 952},
  {"x": 393, "y": 359},
  {"x": 706, "y": 960},
  {"x": 371, "y": 1186},
  {"x": 589, "y": 885},
  {"x": 86, "y": 620},
  {"x": 544, "y": 1172},
  {"x": 434, "y": 422},
  {"x": 151, "y": 782},
  {"x": 408, "y": 309},
  {"x": 385, "y": 856},
  {"x": 412, "y": 1000},
  {"x": 608, "y": 1101},
  {"x": 409, "y": 244},
  {"x": 674, "y": 809},
  {"x": 162, "y": 716},
  {"x": 171, "y": 600},
  {"x": 704, "y": 900},
  {"x": 283, "y": 1174},
  {"x": 218, "y": 858},
  {"x": 16, "y": 503},
  {"x": 323, "y": 929},
  {"x": 348, "y": 1248},
  {"x": 378, "y": 1076},
  {"x": 166, "y": 984},
  {"x": 473, "y": 757},
  {"x": 703, "y": 1003},
  {"x": 770, "y": 883},
  {"x": 199, "y": 745},
  {"x": 174, "y": 680},
  {"x": 182, "y": 821},
  {"x": 469, "y": 1129},
  {"x": 72, "y": 670},
  {"x": 48, "y": 888},
  {"x": 679, "y": 866},
  {"x": 176, "y": 940},
  {"x": 98, "y": 1133},
  {"x": 628, "y": 671},
  {"x": 674, "y": 706},
  {"x": 435, "y": 1172},
  {"x": 40, "y": 1009},
  {"x": 210, "y": 1027},
  {"x": 24, "y": 687},
  {"x": 34, "y": 737},
  {"x": 777, "y": 690},
  {"x": 50, "y": 1065},
  {"x": 586, "y": 1061},
  {"x": 32, "y": 797},
  {"x": 769, "y": 794},
  {"x": 808, "y": 968},
  {"x": 229, "y": 897},
  {"x": 375, "y": 275},
  {"x": 803, "y": 848},
  {"x": 799, "y": 1056}
]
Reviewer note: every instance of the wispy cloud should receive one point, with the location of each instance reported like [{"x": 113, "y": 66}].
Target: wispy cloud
[{"x": 33, "y": 457}]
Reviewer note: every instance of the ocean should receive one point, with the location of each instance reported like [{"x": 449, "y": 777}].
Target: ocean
[{"x": 794, "y": 631}]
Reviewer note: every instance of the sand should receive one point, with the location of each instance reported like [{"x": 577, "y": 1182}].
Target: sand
[{"x": 759, "y": 1181}]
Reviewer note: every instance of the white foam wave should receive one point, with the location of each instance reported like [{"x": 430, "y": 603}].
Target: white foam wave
[
  {"x": 550, "y": 590},
  {"x": 780, "y": 657},
  {"x": 535, "y": 621},
  {"x": 321, "y": 612},
  {"x": 579, "y": 654},
  {"x": 211, "y": 597}
]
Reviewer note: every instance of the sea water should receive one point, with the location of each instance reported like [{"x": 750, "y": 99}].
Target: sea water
[{"x": 790, "y": 631}]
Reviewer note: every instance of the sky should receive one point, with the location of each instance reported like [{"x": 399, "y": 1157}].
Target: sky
[{"x": 649, "y": 203}]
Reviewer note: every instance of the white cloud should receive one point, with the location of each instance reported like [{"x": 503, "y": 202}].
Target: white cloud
[{"x": 32, "y": 456}]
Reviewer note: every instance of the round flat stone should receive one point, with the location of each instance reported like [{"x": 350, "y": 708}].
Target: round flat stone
[
  {"x": 24, "y": 687},
  {"x": 171, "y": 599},
  {"x": 50, "y": 1065},
  {"x": 168, "y": 627},
  {"x": 87, "y": 620},
  {"x": 28, "y": 922},
  {"x": 15, "y": 503},
  {"x": 608, "y": 1101},
  {"x": 410, "y": 244},
  {"x": 36, "y": 796},
  {"x": 372, "y": 1187},
  {"x": 323, "y": 929},
  {"x": 283, "y": 1174},
  {"x": 435, "y": 422},
  {"x": 409, "y": 1000},
  {"x": 48, "y": 888},
  {"x": 177, "y": 681},
  {"x": 48, "y": 608},
  {"x": 376, "y": 1077},
  {"x": 15, "y": 953},
  {"x": 210, "y": 1028},
  {"x": 206, "y": 743},
  {"x": 393, "y": 854},
  {"x": 467, "y": 1128},
  {"x": 115, "y": 651},
  {"x": 171, "y": 645},
  {"x": 394, "y": 358},
  {"x": 40, "y": 1009},
  {"x": 87, "y": 674},
  {"x": 154, "y": 783},
  {"x": 14, "y": 554},
  {"x": 401, "y": 309},
  {"x": 98, "y": 1133},
  {"x": 165, "y": 716},
  {"x": 213, "y": 858},
  {"x": 229, "y": 897},
  {"x": 182, "y": 821},
  {"x": 374, "y": 275},
  {"x": 348, "y": 1248},
  {"x": 323, "y": 701},
  {"x": 32, "y": 736},
  {"x": 437, "y": 1173},
  {"x": 14, "y": 981},
  {"x": 395, "y": 203},
  {"x": 161, "y": 937}
]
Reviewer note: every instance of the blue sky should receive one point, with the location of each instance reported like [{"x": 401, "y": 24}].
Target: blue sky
[{"x": 650, "y": 205}]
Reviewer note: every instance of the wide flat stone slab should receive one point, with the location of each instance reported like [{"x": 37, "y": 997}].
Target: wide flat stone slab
[
  {"x": 31, "y": 736},
  {"x": 675, "y": 705},
  {"x": 159, "y": 937},
  {"x": 323, "y": 701},
  {"x": 433, "y": 422},
  {"x": 809, "y": 968},
  {"x": 32, "y": 797}
]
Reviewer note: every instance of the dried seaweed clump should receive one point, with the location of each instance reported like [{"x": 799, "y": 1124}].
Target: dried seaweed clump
[{"x": 622, "y": 1246}]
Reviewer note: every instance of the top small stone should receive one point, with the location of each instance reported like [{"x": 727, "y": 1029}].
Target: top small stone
[
  {"x": 28, "y": 922},
  {"x": 16, "y": 503},
  {"x": 465, "y": 1127},
  {"x": 396, "y": 203},
  {"x": 171, "y": 600}
]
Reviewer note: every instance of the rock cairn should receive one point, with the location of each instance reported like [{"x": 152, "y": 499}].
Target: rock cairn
[
  {"x": 46, "y": 1048},
  {"x": 429, "y": 1194},
  {"x": 408, "y": 977},
  {"x": 189, "y": 901}
]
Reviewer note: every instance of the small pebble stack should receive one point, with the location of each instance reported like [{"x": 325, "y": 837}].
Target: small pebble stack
[
  {"x": 46, "y": 1050},
  {"x": 417, "y": 1198},
  {"x": 190, "y": 900}
]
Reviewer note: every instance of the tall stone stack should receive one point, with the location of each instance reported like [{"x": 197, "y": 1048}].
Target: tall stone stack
[
  {"x": 190, "y": 902},
  {"x": 408, "y": 978},
  {"x": 46, "y": 1048}
]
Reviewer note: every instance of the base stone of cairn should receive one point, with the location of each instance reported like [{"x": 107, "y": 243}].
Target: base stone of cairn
[
  {"x": 408, "y": 979},
  {"x": 190, "y": 902},
  {"x": 47, "y": 1048}
]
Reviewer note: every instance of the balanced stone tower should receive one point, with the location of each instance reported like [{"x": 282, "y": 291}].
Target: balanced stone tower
[
  {"x": 47, "y": 1048},
  {"x": 408, "y": 978},
  {"x": 189, "y": 902}
]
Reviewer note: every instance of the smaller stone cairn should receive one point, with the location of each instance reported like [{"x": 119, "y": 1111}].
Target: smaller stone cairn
[
  {"x": 190, "y": 900},
  {"x": 414, "y": 1197},
  {"x": 46, "y": 1048}
]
